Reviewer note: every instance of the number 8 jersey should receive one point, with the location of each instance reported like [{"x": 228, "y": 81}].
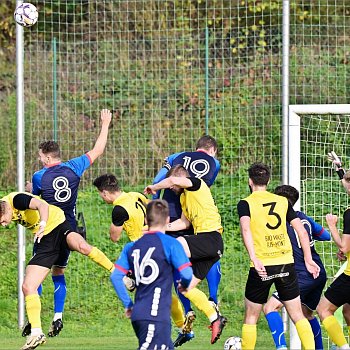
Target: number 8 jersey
[
  {"x": 269, "y": 214},
  {"x": 58, "y": 184}
]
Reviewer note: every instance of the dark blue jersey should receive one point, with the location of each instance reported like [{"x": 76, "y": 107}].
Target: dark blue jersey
[
  {"x": 315, "y": 232},
  {"x": 58, "y": 184},
  {"x": 199, "y": 164},
  {"x": 152, "y": 260}
]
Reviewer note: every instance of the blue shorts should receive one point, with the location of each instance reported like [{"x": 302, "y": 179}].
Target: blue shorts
[
  {"x": 311, "y": 289},
  {"x": 153, "y": 334}
]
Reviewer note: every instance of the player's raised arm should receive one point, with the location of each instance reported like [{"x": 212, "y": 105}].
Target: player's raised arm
[{"x": 100, "y": 145}]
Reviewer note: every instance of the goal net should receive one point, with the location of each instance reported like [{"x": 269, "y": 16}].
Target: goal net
[{"x": 314, "y": 131}]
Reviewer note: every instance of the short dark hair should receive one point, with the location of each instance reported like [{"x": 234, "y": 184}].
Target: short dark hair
[
  {"x": 290, "y": 192},
  {"x": 177, "y": 170},
  {"x": 259, "y": 173},
  {"x": 157, "y": 212},
  {"x": 50, "y": 147},
  {"x": 107, "y": 182},
  {"x": 206, "y": 142}
]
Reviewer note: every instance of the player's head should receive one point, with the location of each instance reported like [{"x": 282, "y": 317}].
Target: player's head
[
  {"x": 157, "y": 213},
  {"x": 177, "y": 171},
  {"x": 49, "y": 151},
  {"x": 290, "y": 192},
  {"x": 259, "y": 174},
  {"x": 207, "y": 143},
  {"x": 107, "y": 185},
  {"x": 5, "y": 213}
]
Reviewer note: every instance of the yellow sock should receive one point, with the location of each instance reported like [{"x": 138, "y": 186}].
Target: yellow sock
[
  {"x": 334, "y": 330},
  {"x": 249, "y": 335},
  {"x": 98, "y": 257},
  {"x": 305, "y": 334},
  {"x": 177, "y": 313},
  {"x": 199, "y": 299},
  {"x": 33, "y": 307}
]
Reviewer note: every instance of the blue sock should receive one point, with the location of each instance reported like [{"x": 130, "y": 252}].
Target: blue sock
[
  {"x": 185, "y": 302},
  {"x": 316, "y": 330},
  {"x": 60, "y": 292},
  {"x": 213, "y": 279},
  {"x": 276, "y": 327},
  {"x": 40, "y": 290}
]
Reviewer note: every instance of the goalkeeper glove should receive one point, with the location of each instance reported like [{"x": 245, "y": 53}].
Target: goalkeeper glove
[
  {"x": 332, "y": 156},
  {"x": 129, "y": 282}
]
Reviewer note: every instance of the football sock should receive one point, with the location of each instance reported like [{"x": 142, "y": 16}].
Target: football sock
[
  {"x": 276, "y": 327},
  {"x": 305, "y": 334},
  {"x": 33, "y": 308},
  {"x": 199, "y": 299},
  {"x": 185, "y": 302},
  {"x": 40, "y": 290},
  {"x": 177, "y": 313},
  {"x": 213, "y": 279},
  {"x": 100, "y": 258},
  {"x": 316, "y": 330},
  {"x": 60, "y": 292},
  {"x": 249, "y": 334},
  {"x": 334, "y": 330}
]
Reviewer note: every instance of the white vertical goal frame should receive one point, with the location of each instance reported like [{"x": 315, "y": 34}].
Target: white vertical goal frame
[{"x": 296, "y": 112}]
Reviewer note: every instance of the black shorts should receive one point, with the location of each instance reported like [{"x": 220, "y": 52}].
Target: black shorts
[
  {"x": 338, "y": 293},
  {"x": 206, "y": 249},
  {"x": 52, "y": 247},
  {"x": 153, "y": 334},
  {"x": 283, "y": 276}
]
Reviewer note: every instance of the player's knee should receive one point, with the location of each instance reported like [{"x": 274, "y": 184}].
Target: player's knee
[
  {"x": 84, "y": 247},
  {"x": 28, "y": 288}
]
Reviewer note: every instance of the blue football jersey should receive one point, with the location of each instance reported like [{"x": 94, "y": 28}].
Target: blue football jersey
[
  {"x": 198, "y": 163},
  {"x": 58, "y": 184},
  {"x": 152, "y": 260},
  {"x": 315, "y": 232}
]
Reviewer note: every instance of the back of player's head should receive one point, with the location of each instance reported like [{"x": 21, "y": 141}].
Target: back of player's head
[
  {"x": 178, "y": 171},
  {"x": 50, "y": 147},
  {"x": 346, "y": 176},
  {"x": 157, "y": 212},
  {"x": 206, "y": 142},
  {"x": 259, "y": 173},
  {"x": 107, "y": 182},
  {"x": 290, "y": 192},
  {"x": 3, "y": 208}
]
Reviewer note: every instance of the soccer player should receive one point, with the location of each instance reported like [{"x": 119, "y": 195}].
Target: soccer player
[
  {"x": 205, "y": 247},
  {"x": 129, "y": 208},
  {"x": 57, "y": 183},
  {"x": 53, "y": 235},
  {"x": 310, "y": 288},
  {"x": 263, "y": 220},
  {"x": 152, "y": 259},
  {"x": 338, "y": 292},
  {"x": 201, "y": 164}
]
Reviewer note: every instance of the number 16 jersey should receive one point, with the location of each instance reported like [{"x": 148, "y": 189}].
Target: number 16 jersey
[{"x": 269, "y": 214}]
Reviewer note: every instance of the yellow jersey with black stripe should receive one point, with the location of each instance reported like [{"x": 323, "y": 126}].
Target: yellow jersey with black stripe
[
  {"x": 30, "y": 218},
  {"x": 198, "y": 206},
  {"x": 134, "y": 204},
  {"x": 268, "y": 218}
]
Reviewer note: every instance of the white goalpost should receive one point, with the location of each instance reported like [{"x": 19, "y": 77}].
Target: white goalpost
[{"x": 315, "y": 129}]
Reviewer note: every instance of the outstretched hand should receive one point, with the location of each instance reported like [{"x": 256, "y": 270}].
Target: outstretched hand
[
  {"x": 149, "y": 190},
  {"x": 332, "y": 156}
]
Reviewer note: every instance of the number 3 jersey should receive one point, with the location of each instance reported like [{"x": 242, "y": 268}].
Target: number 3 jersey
[
  {"x": 269, "y": 214},
  {"x": 58, "y": 184},
  {"x": 152, "y": 260}
]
